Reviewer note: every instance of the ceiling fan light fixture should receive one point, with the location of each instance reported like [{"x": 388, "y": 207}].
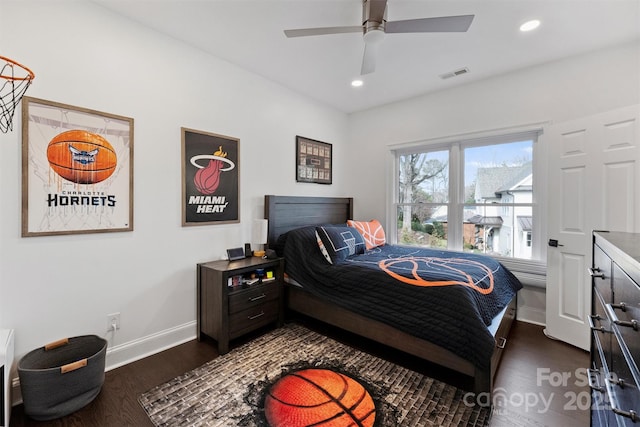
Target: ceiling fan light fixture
[
  {"x": 530, "y": 25},
  {"x": 374, "y": 36},
  {"x": 375, "y": 26},
  {"x": 357, "y": 83}
]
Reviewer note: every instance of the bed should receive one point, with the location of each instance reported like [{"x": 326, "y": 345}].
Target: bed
[{"x": 296, "y": 218}]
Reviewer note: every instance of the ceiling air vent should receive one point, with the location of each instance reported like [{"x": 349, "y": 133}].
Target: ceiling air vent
[{"x": 455, "y": 73}]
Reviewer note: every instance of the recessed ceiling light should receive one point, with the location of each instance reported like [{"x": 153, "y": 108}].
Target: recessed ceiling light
[
  {"x": 530, "y": 25},
  {"x": 357, "y": 83}
]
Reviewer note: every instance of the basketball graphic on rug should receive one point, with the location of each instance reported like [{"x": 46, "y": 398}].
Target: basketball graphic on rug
[
  {"x": 81, "y": 157},
  {"x": 318, "y": 397}
]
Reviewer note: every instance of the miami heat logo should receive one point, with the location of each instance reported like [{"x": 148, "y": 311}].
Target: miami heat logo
[
  {"x": 459, "y": 271},
  {"x": 207, "y": 178},
  {"x": 319, "y": 397}
]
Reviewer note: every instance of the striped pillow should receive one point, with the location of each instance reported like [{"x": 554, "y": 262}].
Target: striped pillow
[{"x": 371, "y": 231}]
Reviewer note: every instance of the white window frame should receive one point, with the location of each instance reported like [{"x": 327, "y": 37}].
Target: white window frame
[{"x": 456, "y": 143}]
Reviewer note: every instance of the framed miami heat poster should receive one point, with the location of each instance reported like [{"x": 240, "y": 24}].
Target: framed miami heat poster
[
  {"x": 77, "y": 170},
  {"x": 210, "y": 178}
]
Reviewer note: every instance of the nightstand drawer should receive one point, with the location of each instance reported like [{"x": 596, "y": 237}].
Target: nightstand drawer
[
  {"x": 255, "y": 317},
  {"x": 252, "y": 297}
]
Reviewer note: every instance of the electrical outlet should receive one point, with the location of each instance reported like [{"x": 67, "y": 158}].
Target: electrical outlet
[{"x": 113, "y": 319}]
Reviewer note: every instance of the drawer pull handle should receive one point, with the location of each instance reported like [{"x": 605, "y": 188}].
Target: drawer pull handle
[
  {"x": 633, "y": 323},
  {"x": 592, "y": 378},
  {"x": 629, "y": 414},
  {"x": 256, "y": 316},
  {"x": 617, "y": 381},
  {"x": 633, "y": 415},
  {"x": 595, "y": 272},
  {"x": 592, "y": 325},
  {"x": 503, "y": 343},
  {"x": 622, "y": 306},
  {"x": 258, "y": 298}
]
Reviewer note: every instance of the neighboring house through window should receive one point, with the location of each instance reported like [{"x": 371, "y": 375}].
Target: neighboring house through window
[{"x": 475, "y": 195}]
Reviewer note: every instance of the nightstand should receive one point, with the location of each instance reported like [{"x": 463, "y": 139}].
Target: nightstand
[{"x": 227, "y": 308}]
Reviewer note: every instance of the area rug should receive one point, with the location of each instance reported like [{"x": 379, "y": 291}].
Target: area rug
[{"x": 294, "y": 377}]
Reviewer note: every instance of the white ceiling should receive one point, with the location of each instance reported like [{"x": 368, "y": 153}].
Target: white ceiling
[{"x": 249, "y": 33}]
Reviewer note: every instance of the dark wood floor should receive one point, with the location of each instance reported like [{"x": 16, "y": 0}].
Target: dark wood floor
[
  {"x": 530, "y": 380},
  {"x": 529, "y": 361}
]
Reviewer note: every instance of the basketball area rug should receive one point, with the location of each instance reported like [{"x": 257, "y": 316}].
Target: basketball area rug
[{"x": 294, "y": 377}]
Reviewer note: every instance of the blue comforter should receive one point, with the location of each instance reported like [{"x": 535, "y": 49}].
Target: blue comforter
[{"x": 445, "y": 297}]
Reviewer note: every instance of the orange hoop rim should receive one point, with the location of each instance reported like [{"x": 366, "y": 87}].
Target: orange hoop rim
[{"x": 30, "y": 75}]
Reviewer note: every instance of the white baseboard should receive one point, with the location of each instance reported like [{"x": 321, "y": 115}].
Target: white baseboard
[
  {"x": 532, "y": 315},
  {"x": 131, "y": 351}
]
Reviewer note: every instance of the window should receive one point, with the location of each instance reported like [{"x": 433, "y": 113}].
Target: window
[{"x": 469, "y": 195}]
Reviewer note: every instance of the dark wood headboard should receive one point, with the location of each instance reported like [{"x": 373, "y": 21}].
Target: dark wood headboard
[{"x": 288, "y": 212}]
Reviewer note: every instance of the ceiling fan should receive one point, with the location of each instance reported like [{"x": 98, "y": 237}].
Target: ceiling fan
[{"x": 375, "y": 26}]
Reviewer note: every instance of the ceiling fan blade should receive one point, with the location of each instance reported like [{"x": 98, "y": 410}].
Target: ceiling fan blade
[
  {"x": 369, "y": 58},
  {"x": 443, "y": 24},
  {"x": 304, "y": 32}
]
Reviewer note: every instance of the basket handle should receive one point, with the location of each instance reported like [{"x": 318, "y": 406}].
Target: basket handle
[
  {"x": 56, "y": 344},
  {"x": 73, "y": 366}
]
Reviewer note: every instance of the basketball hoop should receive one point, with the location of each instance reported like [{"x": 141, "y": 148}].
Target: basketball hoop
[{"x": 14, "y": 80}]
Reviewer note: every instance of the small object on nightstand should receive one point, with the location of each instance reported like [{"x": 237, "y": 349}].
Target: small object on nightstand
[
  {"x": 270, "y": 254},
  {"x": 234, "y": 281},
  {"x": 235, "y": 254}
]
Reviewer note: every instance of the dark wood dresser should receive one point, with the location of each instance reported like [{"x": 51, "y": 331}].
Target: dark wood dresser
[{"x": 615, "y": 339}]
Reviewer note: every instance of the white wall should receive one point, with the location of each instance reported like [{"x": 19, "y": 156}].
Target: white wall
[
  {"x": 555, "y": 92},
  {"x": 83, "y": 55},
  {"x": 558, "y": 91}
]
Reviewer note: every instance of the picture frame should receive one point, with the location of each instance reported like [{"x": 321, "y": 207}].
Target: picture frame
[
  {"x": 210, "y": 178},
  {"x": 314, "y": 161},
  {"x": 77, "y": 170}
]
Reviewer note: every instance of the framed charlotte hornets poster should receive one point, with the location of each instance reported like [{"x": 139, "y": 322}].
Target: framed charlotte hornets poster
[
  {"x": 77, "y": 170},
  {"x": 210, "y": 178}
]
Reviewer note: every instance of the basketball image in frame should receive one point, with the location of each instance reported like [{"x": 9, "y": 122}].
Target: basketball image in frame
[
  {"x": 82, "y": 157},
  {"x": 319, "y": 397}
]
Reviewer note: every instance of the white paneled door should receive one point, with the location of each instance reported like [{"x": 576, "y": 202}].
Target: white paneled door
[{"x": 594, "y": 184}]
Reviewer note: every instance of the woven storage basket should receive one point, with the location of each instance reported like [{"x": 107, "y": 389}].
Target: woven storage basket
[{"x": 62, "y": 376}]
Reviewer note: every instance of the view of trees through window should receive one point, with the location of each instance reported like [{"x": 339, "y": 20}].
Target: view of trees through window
[{"x": 488, "y": 205}]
